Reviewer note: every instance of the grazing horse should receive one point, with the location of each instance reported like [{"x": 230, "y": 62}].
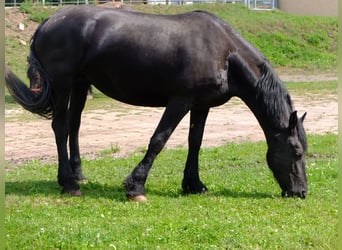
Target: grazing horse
[{"x": 185, "y": 62}]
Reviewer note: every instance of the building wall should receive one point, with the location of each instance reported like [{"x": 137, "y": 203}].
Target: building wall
[{"x": 309, "y": 7}]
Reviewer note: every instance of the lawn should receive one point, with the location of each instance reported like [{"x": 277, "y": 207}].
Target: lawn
[{"x": 243, "y": 210}]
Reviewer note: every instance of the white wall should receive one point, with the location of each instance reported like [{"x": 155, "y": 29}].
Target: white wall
[{"x": 309, "y": 7}]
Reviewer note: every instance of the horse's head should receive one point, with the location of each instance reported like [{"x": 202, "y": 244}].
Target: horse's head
[
  {"x": 286, "y": 158},
  {"x": 271, "y": 104}
]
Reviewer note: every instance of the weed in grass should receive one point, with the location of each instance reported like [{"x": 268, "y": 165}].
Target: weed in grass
[{"x": 110, "y": 152}]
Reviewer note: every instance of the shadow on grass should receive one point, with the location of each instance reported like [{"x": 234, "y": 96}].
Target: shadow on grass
[
  {"x": 222, "y": 193},
  {"x": 243, "y": 194},
  {"x": 113, "y": 192},
  {"x": 51, "y": 188}
]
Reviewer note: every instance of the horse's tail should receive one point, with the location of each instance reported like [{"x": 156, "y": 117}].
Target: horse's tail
[{"x": 38, "y": 98}]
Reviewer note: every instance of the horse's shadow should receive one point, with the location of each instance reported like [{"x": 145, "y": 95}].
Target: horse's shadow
[
  {"x": 243, "y": 194},
  {"x": 113, "y": 192},
  {"x": 215, "y": 193},
  {"x": 51, "y": 188}
]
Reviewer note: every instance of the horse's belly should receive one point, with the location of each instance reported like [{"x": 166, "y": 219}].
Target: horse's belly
[{"x": 134, "y": 96}]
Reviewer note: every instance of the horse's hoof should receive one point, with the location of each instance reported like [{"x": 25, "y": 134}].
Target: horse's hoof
[
  {"x": 199, "y": 190},
  {"x": 83, "y": 181},
  {"x": 76, "y": 193},
  {"x": 138, "y": 198}
]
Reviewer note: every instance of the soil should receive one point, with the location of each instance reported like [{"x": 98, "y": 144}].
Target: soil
[{"x": 129, "y": 131}]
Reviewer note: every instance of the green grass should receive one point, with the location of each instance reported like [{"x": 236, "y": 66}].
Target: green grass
[
  {"x": 15, "y": 56},
  {"x": 243, "y": 210},
  {"x": 317, "y": 89},
  {"x": 37, "y": 11}
]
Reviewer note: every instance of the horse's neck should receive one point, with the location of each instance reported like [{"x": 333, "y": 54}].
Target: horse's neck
[
  {"x": 262, "y": 91},
  {"x": 271, "y": 105}
]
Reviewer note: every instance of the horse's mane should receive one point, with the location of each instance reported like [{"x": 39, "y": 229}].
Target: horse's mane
[{"x": 273, "y": 97}]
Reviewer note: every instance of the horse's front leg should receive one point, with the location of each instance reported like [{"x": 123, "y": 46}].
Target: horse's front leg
[
  {"x": 65, "y": 176},
  {"x": 173, "y": 114},
  {"x": 77, "y": 101},
  {"x": 191, "y": 181}
]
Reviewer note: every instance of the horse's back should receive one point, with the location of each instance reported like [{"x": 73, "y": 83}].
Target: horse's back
[{"x": 138, "y": 58}]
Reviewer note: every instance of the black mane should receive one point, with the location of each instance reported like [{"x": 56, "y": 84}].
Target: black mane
[{"x": 273, "y": 97}]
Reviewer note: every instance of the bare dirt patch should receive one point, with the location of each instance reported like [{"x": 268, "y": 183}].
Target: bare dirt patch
[
  {"x": 13, "y": 17},
  {"x": 130, "y": 131}
]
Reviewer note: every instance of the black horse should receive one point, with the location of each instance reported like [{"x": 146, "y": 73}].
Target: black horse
[{"x": 186, "y": 62}]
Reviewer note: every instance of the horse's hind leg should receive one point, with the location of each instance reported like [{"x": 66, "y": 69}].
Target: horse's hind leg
[
  {"x": 174, "y": 112},
  {"x": 77, "y": 101},
  {"x": 191, "y": 181},
  {"x": 65, "y": 176}
]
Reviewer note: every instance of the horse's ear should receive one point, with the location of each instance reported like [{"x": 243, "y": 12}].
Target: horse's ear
[
  {"x": 293, "y": 122},
  {"x": 302, "y": 118}
]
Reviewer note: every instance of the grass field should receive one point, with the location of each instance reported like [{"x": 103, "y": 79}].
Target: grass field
[{"x": 244, "y": 209}]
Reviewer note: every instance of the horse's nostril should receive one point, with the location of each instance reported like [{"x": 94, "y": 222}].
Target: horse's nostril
[{"x": 303, "y": 195}]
